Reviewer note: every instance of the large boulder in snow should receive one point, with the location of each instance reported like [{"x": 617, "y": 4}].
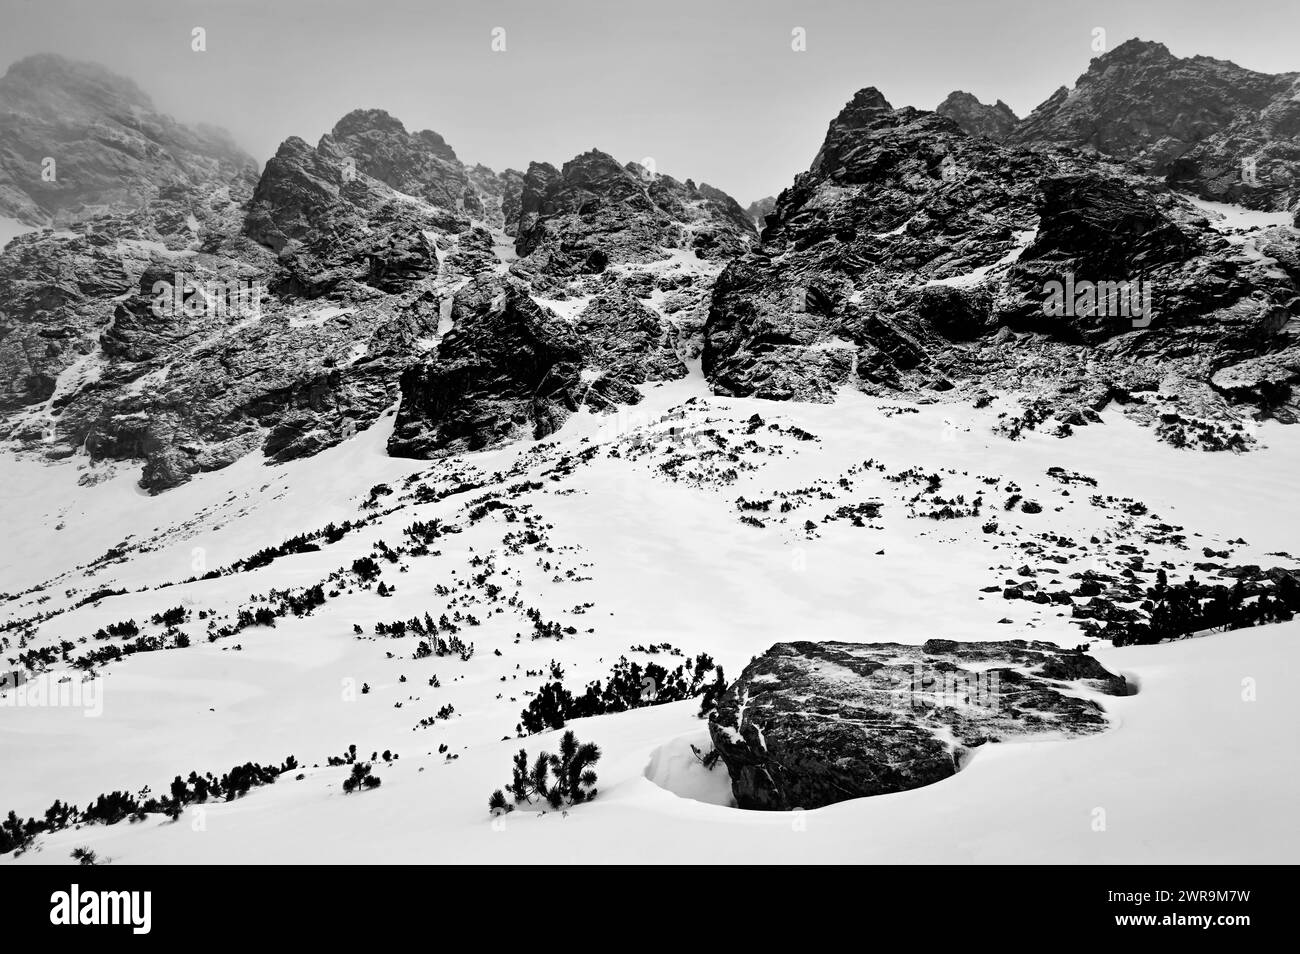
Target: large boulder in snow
[{"x": 808, "y": 724}]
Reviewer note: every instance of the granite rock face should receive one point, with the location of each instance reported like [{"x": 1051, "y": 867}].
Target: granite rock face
[{"x": 809, "y": 724}]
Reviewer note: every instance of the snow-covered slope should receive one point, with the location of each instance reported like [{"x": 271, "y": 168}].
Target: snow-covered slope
[{"x": 641, "y": 541}]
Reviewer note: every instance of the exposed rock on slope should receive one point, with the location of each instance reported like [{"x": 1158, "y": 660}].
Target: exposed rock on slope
[
  {"x": 292, "y": 303},
  {"x": 420, "y": 164},
  {"x": 914, "y": 257},
  {"x": 809, "y": 724},
  {"x": 594, "y": 212},
  {"x": 620, "y": 262},
  {"x": 976, "y": 118},
  {"x": 501, "y": 372},
  {"x": 911, "y": 257},
  {"x": 513, "y": 368}
]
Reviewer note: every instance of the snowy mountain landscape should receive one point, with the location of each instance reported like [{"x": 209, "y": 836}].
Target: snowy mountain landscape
[{"x": 363, "y": 504}]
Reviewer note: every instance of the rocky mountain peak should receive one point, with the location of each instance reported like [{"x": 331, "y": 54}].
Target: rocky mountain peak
[
  {"x": 420, "y": 164},
  {"x": 362, "y": 121},
  {"x": 759, "y": 209},
  {"x": 977, "y": 118},
  {"x": 1209, "y": 125},
  {"x": 77, "y": 139},
  {"x": 594, "y": 210},
  {"x": 867, "y": 110},
  {"x": 864, "y": 100},
  {"x": 48, "y": 80},
  {"x": 908, "y": 238},
  {"x": 379, "y": 123},
  {"x": 1132, "y": 51}
]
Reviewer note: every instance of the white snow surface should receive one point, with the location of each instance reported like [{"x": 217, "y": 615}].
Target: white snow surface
[
  {"x": 972, "y": 278},
  {"x": 1188, "y": 771}
]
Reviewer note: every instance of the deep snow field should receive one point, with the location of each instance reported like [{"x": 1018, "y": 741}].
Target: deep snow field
[{"x": 641, "y": 521}]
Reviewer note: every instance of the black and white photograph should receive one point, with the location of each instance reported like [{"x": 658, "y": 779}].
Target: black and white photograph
[{"x": 527, "y": 433}]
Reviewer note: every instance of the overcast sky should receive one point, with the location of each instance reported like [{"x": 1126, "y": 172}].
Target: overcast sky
[{"x": 710, "y": 89}]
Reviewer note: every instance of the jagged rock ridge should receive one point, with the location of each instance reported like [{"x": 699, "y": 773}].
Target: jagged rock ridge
[
  {"x": 979, "y": 119},
  {"x": 913, "y": 257},
  {"x": 212, "y": 312},
  {"x": 1194, "y": 120}
]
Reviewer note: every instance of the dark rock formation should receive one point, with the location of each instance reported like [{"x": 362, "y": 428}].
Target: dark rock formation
[
  {"x": 1193, "y": 120},
  {"x": 508, "y": 368},
  {"x": 192, "y": 312},
  {"x": 979, "y": 119},
  {"x": 914, "y": 257},
  {"x": 809, "y": 724},
  {"x": 894, "y": 199},
  {"x": 419, "y": 164},
  {"x": 513, "y": 368},
  {"x": 594, "y": 212}
]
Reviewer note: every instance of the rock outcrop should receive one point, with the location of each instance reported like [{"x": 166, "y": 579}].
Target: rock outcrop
[
  {"x": 513, "y": 368},
  {"x": 419, "y": 164},
  {"x": 979, "y": 119},
  {"x": 1194, "y": 120},
  {"x": 376, "y": 269},
  {"x": 914, "y": 257},
  {"x": 211, "y": 313},
  {"x": 809, "y": 724},
  {"x": 595, "y": 212}
]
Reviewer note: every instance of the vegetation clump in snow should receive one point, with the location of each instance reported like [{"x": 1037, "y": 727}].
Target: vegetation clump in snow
[{"x": 564, "y": 779}]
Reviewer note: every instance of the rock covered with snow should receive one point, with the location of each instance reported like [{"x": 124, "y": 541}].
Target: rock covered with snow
[{"x": 809, "y": 724}]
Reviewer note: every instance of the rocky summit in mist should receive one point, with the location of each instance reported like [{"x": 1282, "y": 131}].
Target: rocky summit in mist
[{"x": 377, "y": 272}]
